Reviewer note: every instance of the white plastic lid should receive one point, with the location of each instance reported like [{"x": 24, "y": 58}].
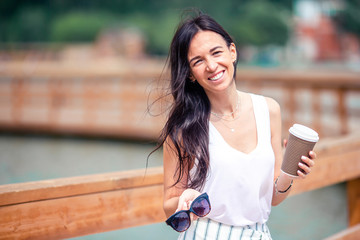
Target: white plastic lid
[{"x": 304, "y": 132}]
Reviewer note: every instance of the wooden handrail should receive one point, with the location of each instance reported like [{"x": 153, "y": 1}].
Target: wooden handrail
[
  {"x": 134, "y": 70},
  {"x": 323, "y": 79},
  {"x": 69, "y": 207},
  {"x": 11, "y": 194},
  {"x": 110, "y": 98},
  {"x": 338, "y": 161}
]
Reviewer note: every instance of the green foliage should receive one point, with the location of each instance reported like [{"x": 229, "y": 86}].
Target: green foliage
[
  {"x": 255, "y": 22},
  {"x": 260, "y": 23},
  {"x": 349, "y": 18},
  {"x": 157, "y": 29},
  {"x": 79, "y": 26},
  {"x": 27, "y": 25}
]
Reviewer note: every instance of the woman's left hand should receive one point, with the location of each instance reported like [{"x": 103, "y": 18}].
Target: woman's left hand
[{"x": 309, "y": 163}]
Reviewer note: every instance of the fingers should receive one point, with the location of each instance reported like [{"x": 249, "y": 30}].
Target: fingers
[
  {"x": 186, "y": 199},
  {"x": 285, "y": 142},
  {"x": 193, "y": 217},
  {"x": 306, "y": 164},
  {"x": 185, "y": 206},
  {"x": 307, "y": 161},
  {"x": 301, "y": 174},
  {"x": 312, "y": 155},
  {"x": 182, "y": 205}
]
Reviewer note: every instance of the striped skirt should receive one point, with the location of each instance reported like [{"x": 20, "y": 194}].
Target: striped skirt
[{"x": 204, "y": 228}]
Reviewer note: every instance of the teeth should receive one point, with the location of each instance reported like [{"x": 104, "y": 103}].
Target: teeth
[{"x": 217, "y": 76}]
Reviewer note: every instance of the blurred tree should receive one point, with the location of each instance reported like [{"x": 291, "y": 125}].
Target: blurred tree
[
  {"x": 29, "y": 25},
  {"x": 349, "y": 18},
  {"x": 261, "y": 23},
  {"x": 158, "y": 29},
  {"x": 253, "y": 22},
  {"x": 79, "y": 26}
]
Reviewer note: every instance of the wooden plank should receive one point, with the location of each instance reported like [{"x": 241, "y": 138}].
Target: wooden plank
[
  {"x": 90, "y": 69},
  {"x": 353, "y": 196},
  {"x": 340, "y": 156},
  {"x": 134, "y": 71},
  {"x": 338, "y": 145},
  {"x": 351, "y": 233},
  {"x": 328, "y": 79},
  {"x": 127, "y": 131},
  {"x": 63, "y": 208},
  {"x": 83, "y": 214},
  {"x": 330, "y": 170},
  {"x": 65, "y": 187}
]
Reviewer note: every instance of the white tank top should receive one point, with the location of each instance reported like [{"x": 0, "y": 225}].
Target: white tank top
[{"x": 240, "y": 185}]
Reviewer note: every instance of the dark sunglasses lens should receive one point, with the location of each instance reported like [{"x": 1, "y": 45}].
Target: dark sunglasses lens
[
  {"x": 201, "y": 207},
  {"x": 180, "y": 222}
]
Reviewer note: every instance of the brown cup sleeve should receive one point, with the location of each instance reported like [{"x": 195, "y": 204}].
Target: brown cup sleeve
[{"x": 295, "y": 148}]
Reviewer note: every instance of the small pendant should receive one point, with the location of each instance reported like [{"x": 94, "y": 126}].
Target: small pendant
[{"x": 233, "y": 130}]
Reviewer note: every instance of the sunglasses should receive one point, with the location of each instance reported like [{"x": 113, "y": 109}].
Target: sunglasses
[{"x": 180, "y": 221}]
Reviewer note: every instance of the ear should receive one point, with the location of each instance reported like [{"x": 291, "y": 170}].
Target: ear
[
  {"x": 233, "y": 52},
  {"x": 192, "y": 78}
]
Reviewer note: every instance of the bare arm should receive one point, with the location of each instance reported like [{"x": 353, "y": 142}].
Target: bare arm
[
  {"x": 284, "y": 180},
  {"x": 275, "y": 123},
  {"x": 176, "y": 197},
  {"x": 171, "y": 192}
]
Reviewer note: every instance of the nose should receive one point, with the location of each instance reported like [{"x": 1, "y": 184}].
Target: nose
[{"x": 211, "y": 65}]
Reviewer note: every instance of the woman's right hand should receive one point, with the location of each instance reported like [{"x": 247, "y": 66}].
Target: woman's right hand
[{"x": 185, "y": 200}]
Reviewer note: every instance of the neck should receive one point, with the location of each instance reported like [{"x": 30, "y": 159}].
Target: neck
[{"x": 224, "y": 103}]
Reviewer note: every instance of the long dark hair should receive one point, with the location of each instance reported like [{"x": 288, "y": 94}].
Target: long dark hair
[{"x": 188, "y": 123}]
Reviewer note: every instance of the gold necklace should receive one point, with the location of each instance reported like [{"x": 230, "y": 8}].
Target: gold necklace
[
  {"x": 221, "y": 119},
  {"x": 221, "y": 116}
]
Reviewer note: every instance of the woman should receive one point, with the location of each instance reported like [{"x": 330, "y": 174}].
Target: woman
[{"x": 219, "y": 140}]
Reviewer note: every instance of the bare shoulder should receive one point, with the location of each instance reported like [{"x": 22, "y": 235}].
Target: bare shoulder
[{"x": 274, "y": 107}]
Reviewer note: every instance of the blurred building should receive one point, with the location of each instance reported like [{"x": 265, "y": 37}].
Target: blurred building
[
  {"x": 317, "y": 36},
  {"x": 127, "y": 43}
]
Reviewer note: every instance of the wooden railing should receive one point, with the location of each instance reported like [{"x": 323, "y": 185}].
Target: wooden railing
[
  {"x": 111, "y": 98},
  {"x": 106, "y": 99},
  {"x": 302, "y": 93},
  {"x": 70, "y": 207}
]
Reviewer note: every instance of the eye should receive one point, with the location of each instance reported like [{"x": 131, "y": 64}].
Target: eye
[
  {"x": 217, "y": 53},
  {"x": 197, "y": 62}
]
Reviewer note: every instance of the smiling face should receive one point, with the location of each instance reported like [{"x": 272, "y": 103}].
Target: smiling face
[{"x": 211, "y": 61}]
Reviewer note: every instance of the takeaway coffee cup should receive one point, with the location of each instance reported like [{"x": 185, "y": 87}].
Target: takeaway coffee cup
[{"x": 301, "y": 141}]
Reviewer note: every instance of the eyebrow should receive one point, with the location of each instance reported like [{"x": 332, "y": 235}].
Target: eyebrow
[{"x": 211, "y": 50}]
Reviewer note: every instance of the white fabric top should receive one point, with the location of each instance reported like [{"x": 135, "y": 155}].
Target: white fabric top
[{"x": 240, "y": 185}]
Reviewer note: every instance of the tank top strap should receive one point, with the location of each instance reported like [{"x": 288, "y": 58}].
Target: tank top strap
[{"x": 262, "y": 118}]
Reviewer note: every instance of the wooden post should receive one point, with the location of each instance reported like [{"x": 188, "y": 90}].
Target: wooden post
[
  {"x": 342, "y": 111},
  {"x": 17, "y": 100},
  {"x": 53, "y": 85},
  {"x": 290, "y": 106},
  {"x": 316, "y": 110},
  {"x": 353, "y": 194}
]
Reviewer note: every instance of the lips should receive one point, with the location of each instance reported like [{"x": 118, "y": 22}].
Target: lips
[{"x": 216, "y": 76}]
